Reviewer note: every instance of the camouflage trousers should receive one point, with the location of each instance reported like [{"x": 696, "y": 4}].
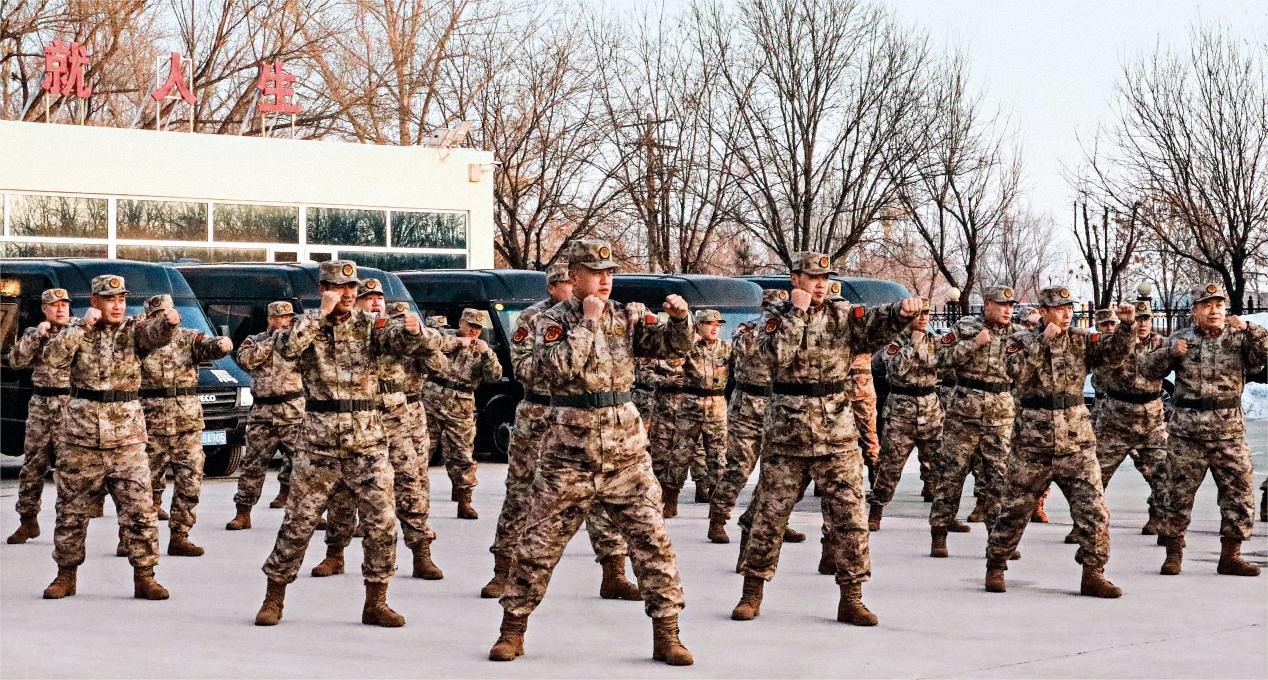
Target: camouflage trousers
[
  {"x": 745, "y": 416},
  {"x": 368, "y": 479},
  {"x": 1229, "y": 463},
  {"x": 454, "y": 431},
  {"x": 563, "y": 495},
  {"x": 1078, "y": 475},
  {"x": 183, "y": 454},
  {"x": 522, "y": 458},
  {"x": 961, "y": 444},
  {"x": 264, "y": 440},
  {"x": 83, "y": 476},
  {"x": 897, "y": 441},
  {"x": 699, "y": 443},
  {"x": 1113, "y": 448},
  {"x": 44, "y": 417},
  {"x": 660, "y": 433},
  {"x": 781, "y": 482},
  {"x": 410, "y": 486},
  {"x": 863, "y": 403}
]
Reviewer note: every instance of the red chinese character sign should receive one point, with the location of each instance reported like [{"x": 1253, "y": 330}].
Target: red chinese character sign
[
  {"x": 171, "y": 85},
  {"x": 64, "y": 69},
  {"x": 277, "y": 95}
]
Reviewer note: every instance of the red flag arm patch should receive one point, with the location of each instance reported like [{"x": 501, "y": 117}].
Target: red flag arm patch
[
  {"x": 651, "y": 319},
  {"x": 859, "y": 312}
]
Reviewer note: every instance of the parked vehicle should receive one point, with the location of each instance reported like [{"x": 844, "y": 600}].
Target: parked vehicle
[{"x": 738, "y": 300}]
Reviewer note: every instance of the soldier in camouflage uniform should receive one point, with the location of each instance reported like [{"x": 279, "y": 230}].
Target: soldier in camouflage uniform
[
  {"x": 810, "y": 432},
  {"x": 666, "y": 378},
  {"x": 644, "y": 393},
  {"x": 1207, "y": 430},
  {"x": 103, "y": 433},
  {"x": 174, "y": 421},
  {"x": 1054, "y": 441},
  {"x": 343, "y": 443},
  {"x": 863, "y": 401},
  {"x": 700, "y": 421},
  {"x": 409, "y": 472},
  {"x": 979, "y": 414},
  {"x": 531, "y": 427},
  {"x": 276, "y": 412},
  {"x": 44, "y": 411},
  {"x": 450, "y": 404},
  {"x": 595, "y": 450},
  {"x": 913, "y": 415}
]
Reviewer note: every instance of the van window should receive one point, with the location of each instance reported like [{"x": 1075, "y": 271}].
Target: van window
[
  {"x": 243, "y": 319},
  {"x": 235, "y": 284},
  {"x": 20, "y": 300}
]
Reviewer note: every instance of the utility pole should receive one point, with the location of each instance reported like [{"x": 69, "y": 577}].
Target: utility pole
[{"x": 655, "y": 198}]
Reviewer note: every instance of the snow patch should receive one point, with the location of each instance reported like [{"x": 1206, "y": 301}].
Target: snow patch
[{"x": 1255, "y": 396}]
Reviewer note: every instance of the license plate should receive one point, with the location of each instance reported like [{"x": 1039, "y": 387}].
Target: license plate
[{"x": 215, "y": 438}]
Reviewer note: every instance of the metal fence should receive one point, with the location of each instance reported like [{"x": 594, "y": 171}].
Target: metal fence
[{"x": 1166, "y": 321}]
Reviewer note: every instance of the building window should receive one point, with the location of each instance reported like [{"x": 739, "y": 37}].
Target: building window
[
  {"x": 347, "y": 227},
  {"x": 255, "y": 223},
  {"x": 26, "y": 249},
  {"x": 161, "y": 220},
  {"x": 394, "y": 262},
  {"x": 191, "y": 253},
  {"x": 65, "y": 216},
  {"x": 429, "y": 229}
]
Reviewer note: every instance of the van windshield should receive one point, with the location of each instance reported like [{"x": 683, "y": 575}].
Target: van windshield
[
  {"x": 192, "y": 316},
  {"x": 509, "y": 314}
]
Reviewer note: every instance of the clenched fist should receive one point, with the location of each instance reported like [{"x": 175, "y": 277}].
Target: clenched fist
[
  {"x": 43, "y": 328},
  {"x": 329, "y": 299},
  {"x": 983, "y": 337},
  {"x": 592, "y": 307},
  {"x": 479, "y": 345},
  {"x": 800, "y": 299},
  {"x": 1126, "y": 313},
  {"x": 676, "y": 307},
  {"x": 909, "y": 307},
  {"x": 225, "y": 345},
  {"x": 1236, "y": 322},
  {"x": 464, "y": 341},
  {"x": 1179, "y": 348},
  {"x": 172, "y": 316},
  {"x": 412, "y": 325},
  {"x": 92, "y": 316},
  {"x": 1051, "y": 331}
]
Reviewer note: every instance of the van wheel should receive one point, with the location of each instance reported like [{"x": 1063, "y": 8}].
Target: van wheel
[
  {"x": 222, "y": 461},
  {"x": 502, "y": 432}
]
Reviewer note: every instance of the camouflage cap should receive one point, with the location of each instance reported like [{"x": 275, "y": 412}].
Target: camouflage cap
[
  {"x": 834, "y": 291},
  {"x": 52, "y": 295},
  {"x": 1022, "y": 311},
  {"x": 281, "y": 308},
  {"x": 773, "y": 296},
  {"x": 591, "y": 254},
  {"x": 999, "y": 293},
  {"x": 812, "y": 263},
  {"x": 1104, "y": 315},
  {"x": 107, "y": 285},
  {"x": 158, "y": 303},
  {"x": 1207, "y": 291},
  {"x": 338, "y": 272},
  {"x": 369, "y": 287},
  {"x": 1055, "y": 296},
  {"x": 1143, "y": 309},
  {"x": 926, "y": 305},
  {"x": 437, "y": 321},
  {"x": 557, "y": 273},
  {"x": 475, "y": 317},
  {"x": 398, "y": 308},
  {"x": 708, "y": 316}
]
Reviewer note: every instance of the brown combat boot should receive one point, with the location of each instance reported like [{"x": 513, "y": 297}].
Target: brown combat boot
[
  {"x": 750, "y": 600},
  {"x": 98, "y": 508},
  {"x": 271, "y": 611},
  {"x": 791, "y": 535},
  {"x": 283, "y": 494},
  {"x": 510, "y": 642},
  {"x": 144, "y": 587},
  {"x": 958, "y": 527},
  {"x": 827, "y": 565},
  {"x": 938, "y": 547},
  {"x": 376, "y": 612},
  {"x": 874, "y": 517},
  {"x": 739, "y": 559},
  {"x": 465, "y": 510},
  {"x": 158, "y": 509},
  {"x": 497, "y": 585},
  {"x": 1231, "y": 562},
  {"x": 28, "y": 529},
  {"x": 666, "y": 646},
  {"x": 614, "y": 585},
  {"x": 702, "y": 493},
  {"x": 332, "y": 565},
  {"x": 424, "y": 567},
  {"x": 978, "y": 514},
  {"x": 1263, "y": 506},
  {"x": 671, "y": 503},
  {"x": 242, "y": 520},
  {"x": 926, "y": 492},
  {"x": 1094, "y": 583},
  {"x": 1071, "y": 538},
  {"x": 717, "y": 529},
  {"x": 121, "y": 550},
  {"x": 63, "y": 585},
  {"x": 1175, "y": 555},
  {"x": 851, "y": 609},
  {"x": 1151, "y": 526},
  {"x": 995, "y": 577},
  {"x": 1040, "y": 516},
  {"x": 179, "y": 545}
]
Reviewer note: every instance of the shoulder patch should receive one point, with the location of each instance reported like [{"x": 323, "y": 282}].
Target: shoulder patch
[
  {"x": 380, "y": 323},
  {"x": 651, "y": 319},
  {"x": 521, "y": 334},
  {"x": 859, "y": 311},
  {"x": 553, "y": 334},
  {"x": 891, "y": 349},
  {"x": 1094, "y": 338},
  {"x": 1014, "y": 347},
  {"x": 949, "y": 339},
  {"x": 772, "y": 325}
]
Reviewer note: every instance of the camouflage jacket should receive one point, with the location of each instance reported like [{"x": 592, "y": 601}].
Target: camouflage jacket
[
  {"x": 1145, "y": 421},
  {"x": 580, "y": 356},
  {"x": 469, "y": 367},
  {"x": 27, "y": 352},
  {"x": 272, "y": 375},
  {"x": 817, "y": 347},
  {"x": 523, "y": 359},
  {"x": 749, "y": 363},
  {"x": 1214, "y": 367},
  {"x": 960, "y": 353},
  {"x": 338, "y": 360},
  {"x": 1044, "y": 368},
  {"x": 909, "y": 364},
  {"x": 106, "y": 357},
  {"x": 176, "y": 365},
  {"x": 401, "y": 376},
  {"x": 707, "y": 365}
]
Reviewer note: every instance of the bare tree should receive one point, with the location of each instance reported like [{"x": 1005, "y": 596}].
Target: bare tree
[
  {"x": 1107, "y": 244},
  {"x": 1022, "y": 253}
]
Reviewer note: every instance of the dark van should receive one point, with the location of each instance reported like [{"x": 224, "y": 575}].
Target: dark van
[
  {"x": 860, "y": 291},
  {"x": 738, "y": 300},
  {"x": 223, "y": 387},
  {"x": 503, "y": 293}
]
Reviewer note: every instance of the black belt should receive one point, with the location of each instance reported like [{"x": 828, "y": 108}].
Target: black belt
[
  {"x": 389, "y": 387},
  {"x": 535, "y": 398},
  {"x": 413, "y": 398},
  {"x": 1207, "y": 403},
  {"x": 278, "y": 398},
  {"x": 51, "y": 391},
  {"x": 1056, "y": 402},
  {"x": 106, "y": 396},
  {"x": 808, "y": 389},
  {"x": 912, "y": 391},
  {"x": 451, "y": 385},
  {"x": 694, "y": 391},
  {"x": 755, "y": 390},
  {"x": 340, "y": 405},
  {"x": 591, "y": 399},
  {"x": 1133, "y": 397},
  {"x": 162, "y": 392},
  {"x": 997, "y": 388}
]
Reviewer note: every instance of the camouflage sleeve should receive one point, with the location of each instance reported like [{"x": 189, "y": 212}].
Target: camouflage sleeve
[
  {"x": 291, "y": 341},
  {"x": 61, "y": 348},
  {"x": 152, "y": 333},
  {"x": 1015, "y": 359},
  {"x": 523, "y": 362},
  {"x": 650, "y": 372},
  {"x": 562, "y": 354},
  {"x": 26, "y": 348},
  {"x": 207, "y": 348},
  {"x": 957, "y": 347},
  {"x": 490, "y": 367},
  {"x": 391, "y": 337},
  {"x": 783, "y": 334},
  {"x": 1158, "y": 363},
  {"x": 671, "y": 339},
  {"x": 255, "y": 351},
  {"x": 875, "y": 327},
  {"x": 902, "y": 359},
  {"x": 1255, "y": 349},
  {"x": 1111, "y": 349}
]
